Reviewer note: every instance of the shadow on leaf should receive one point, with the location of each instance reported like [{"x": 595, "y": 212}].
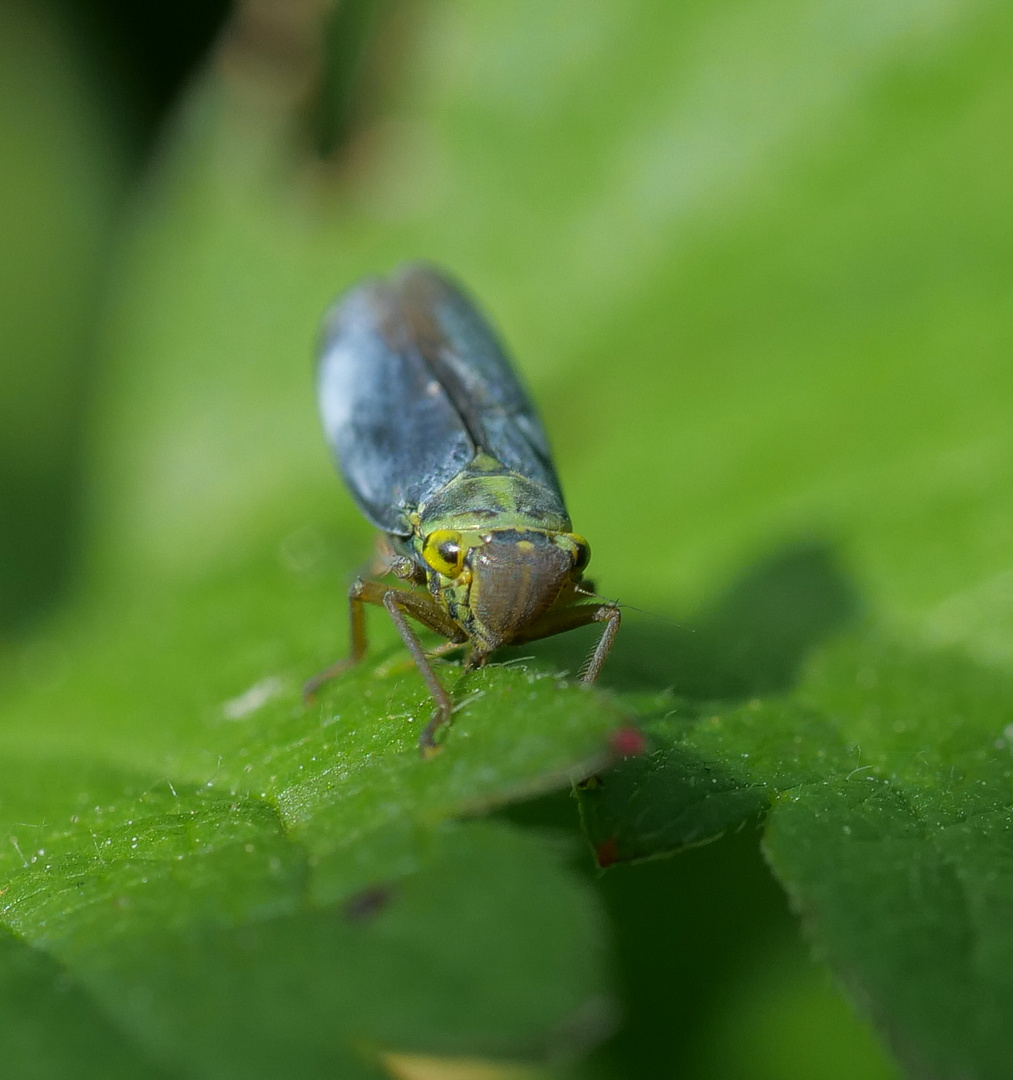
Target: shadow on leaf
[{"x": 750, "y": 641}]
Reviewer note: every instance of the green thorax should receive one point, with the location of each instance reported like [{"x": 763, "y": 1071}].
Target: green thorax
[
  {"x": 486, "y": 495},
  {"x": 490, "y": 509}
]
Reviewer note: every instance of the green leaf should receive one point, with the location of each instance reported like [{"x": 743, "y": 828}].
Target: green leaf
[
  {"x": 753, "y": 261},
  {"x": 302, "y": 865},
  {"x": 50, "y": 1027},
  {"x": 887, "y": 779},
  {"x": 197, "y": 938}
]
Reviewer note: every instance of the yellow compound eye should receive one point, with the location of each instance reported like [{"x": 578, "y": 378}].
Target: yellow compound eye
[
  {"x": 443, "y": 552},
  {"x": 582, "y": 554}
]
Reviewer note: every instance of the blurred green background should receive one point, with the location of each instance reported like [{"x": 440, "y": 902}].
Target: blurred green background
[{"x": 754, "y": 258}]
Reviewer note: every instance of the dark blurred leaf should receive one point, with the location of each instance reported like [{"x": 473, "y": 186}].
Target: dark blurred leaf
[
  {"x": 59, "y": 183},
  {"x": 50, "y": 1028}
]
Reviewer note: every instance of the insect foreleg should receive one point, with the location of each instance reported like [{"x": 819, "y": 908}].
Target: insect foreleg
[
  {"x": 559, "y": 620},
  {"x": 422, "y": 607},
  {"x": 611, "y": 617},
  {"x": 419, "y": 605}
]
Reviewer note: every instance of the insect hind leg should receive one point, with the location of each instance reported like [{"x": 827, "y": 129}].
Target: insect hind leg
[{"x": 357, "y": 639}]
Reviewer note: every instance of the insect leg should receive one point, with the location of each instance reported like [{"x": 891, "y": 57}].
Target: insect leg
[
  {"x": 357, "y": 639},
  {"x": 422, "y": 607},
  {"x": 445, "y": 649},
  {"x": 611, "y": 617},
  {"x": 395, "y": 664},
  {"x": 560, "y": 620},
  {"x": 398, "y": 603}
]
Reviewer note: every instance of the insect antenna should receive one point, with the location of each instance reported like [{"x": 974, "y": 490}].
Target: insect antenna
[{"x": 591, "y": 595}]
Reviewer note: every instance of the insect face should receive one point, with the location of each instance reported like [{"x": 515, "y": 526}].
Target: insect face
[
  {"x": 516, "y": 577},
  {"x": 504, "y": 580}
]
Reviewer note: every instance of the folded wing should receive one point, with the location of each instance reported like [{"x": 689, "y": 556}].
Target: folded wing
[{"x": 413, "y": 383}]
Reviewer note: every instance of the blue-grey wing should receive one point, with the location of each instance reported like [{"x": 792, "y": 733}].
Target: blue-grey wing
[{"x": 412, "y": 384}]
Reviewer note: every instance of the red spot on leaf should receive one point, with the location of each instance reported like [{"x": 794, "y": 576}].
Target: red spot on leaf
[
  {"x": 607, "y": 852},
  {"x": 628, "y": 742}
]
